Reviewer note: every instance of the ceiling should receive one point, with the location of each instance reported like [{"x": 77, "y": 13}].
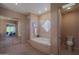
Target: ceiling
[
  {"x": 72, "y": 7},
  {"x": 24, "y": 8}
]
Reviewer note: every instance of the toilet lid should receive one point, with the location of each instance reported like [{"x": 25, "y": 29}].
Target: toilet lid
[{"x": 69, "y": 43}]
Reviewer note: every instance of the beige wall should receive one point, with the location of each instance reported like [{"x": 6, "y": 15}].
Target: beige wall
[
  {"x": 42, "y": 19},
  {"x": 22, "y": 22},
  {"x": 55, "y": 28},
  {"x": 39, "y": 21}
]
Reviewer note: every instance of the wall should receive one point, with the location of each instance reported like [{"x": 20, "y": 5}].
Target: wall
[
  {"x": 38, "y": 20},
  {"x": 42, "y": 19},
  {"x": 22, "y": 22},
  {"x": 55, "y": 28}
]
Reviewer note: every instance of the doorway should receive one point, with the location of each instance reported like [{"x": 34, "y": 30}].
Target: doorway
[
  {"x": 70, "y": 30},
  {"x": 10, "y": 30}
]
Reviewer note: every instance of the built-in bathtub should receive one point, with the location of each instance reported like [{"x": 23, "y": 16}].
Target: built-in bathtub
[
  {"x": 42, "y": 40},
  {"x": 42, "y": 44}
]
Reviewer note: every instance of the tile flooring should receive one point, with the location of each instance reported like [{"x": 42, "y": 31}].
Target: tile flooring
[{"x": 13, "y": 46}]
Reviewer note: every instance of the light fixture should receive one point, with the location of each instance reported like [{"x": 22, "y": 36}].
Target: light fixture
[
  {"x": 45, "y": 9},
  {"x": 16, "y": 3},
  {"x": 69, "y": 8},
  {"x": 39, "y": 12}
]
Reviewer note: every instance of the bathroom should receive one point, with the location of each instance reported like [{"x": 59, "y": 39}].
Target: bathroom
[
  {"x": 67, "y": 30},
  {"x": 70, "y": 29},
  {"x": 40, "y": 31}
]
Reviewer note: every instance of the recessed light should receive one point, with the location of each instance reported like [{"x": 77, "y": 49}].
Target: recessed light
[
  {"x": 16, "y": 3},
  {"x": 39, "y": 12},
  {"x": 45, "y": 9},
  {"x": 69, "y": 8}
]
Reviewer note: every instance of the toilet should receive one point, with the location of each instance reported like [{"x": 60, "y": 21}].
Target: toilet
[{"x": 70, "y": 42}]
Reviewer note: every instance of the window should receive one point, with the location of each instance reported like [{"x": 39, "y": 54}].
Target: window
[
  {"x": 34, "y": 28},
  {"x": 10, "y": 30},
  {"x": 46, "y": 25}
]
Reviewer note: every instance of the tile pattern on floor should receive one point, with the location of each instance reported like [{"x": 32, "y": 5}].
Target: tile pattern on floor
[{"x": 13, "y": 46}]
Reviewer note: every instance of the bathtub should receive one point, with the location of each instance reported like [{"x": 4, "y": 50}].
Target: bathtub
[
  {"x": 42, "y": 44},
  {"x": 42, "y": 40}
]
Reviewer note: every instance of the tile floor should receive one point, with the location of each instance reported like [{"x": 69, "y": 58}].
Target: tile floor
[{"x": 13, "y": 46}]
